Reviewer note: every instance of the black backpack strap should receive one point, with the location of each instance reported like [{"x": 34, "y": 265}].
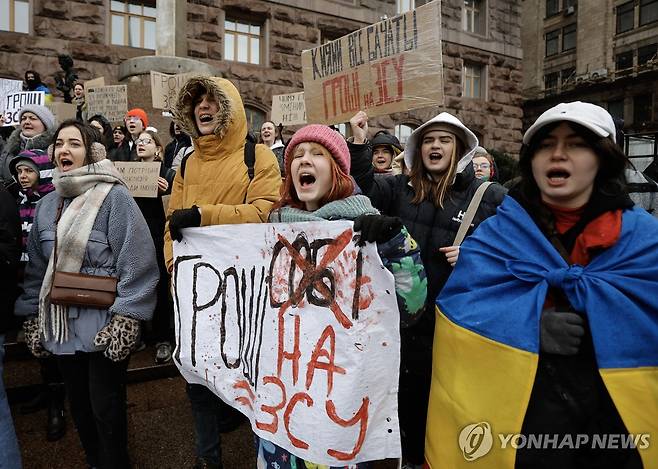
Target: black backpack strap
[
  {"x": 183, "y": 163},
  {"x": 250, "y": 154}
]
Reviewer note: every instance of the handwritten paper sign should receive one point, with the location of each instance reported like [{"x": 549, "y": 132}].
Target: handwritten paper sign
[
  {"x": 394, "y": 65},
  {"x": 288, "y": 109},
  {"x": 141, "y": 178},
  {"x": 110, "y": 101},
  {"x": 62, "y": 111},
  {"x": 8, "y": 87},
  {"x": 14, "y": 102},
  {"x": 95, "y": 82},
  {"x": 165, "y": 88},
  {"x": 298, "y": 328}
]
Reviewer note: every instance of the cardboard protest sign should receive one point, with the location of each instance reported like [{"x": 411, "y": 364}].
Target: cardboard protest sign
[
  {"x": 8, "y": 87},
  {"x": 165, "y": 88},
  {"x": 298, "y": 328},
  {"x": 288, "y": 109},
  {"x": 14, "y": 102},
  {"x": 62, "y": 111},
  {"x": 95, "y": 82},
  {"x": 391, "y": 66},
  {"x": 110, "y": 101},
  {"x": 141, "y": 178}
]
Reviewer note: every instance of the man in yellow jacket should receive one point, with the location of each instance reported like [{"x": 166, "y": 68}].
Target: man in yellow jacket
[{"x": 215, "y": 189}]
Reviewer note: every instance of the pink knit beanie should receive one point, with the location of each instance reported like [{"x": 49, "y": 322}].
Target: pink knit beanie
[{"x": 330, "y": 139}]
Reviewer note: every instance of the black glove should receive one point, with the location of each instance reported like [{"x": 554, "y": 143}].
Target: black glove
[
  {"x": 183, "y": 218},
  {"x": 561, "y": 332},
  {"x": 377, "y": 228}
]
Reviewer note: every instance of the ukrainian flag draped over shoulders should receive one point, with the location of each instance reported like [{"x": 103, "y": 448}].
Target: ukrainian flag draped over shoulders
[{"x": 486, "y": 341}]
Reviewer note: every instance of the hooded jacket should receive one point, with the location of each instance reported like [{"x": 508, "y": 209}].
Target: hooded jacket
[
  {"x": 216, "y": 178},
  {"x": 30, "y": 196},
  {"x": 432, "y": 227}
]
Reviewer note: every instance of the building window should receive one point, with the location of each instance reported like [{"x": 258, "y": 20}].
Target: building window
[
  {"x": 255, "y": 118},
  {"x": 552, "y": 7},
  {"x": 403, "y": 132},
  {"x": 642, "y": 108},
  {"x": 133, "y": 23},
  {"x": 551, "y": 81},
  {"x": 569, "y": 37},
  {"x": 404, "y": 6},
  {"x": 473, "y": 81},
  {"x": 570, "y": 3},
  {"x": 242, "y": 42},
  {"x": 616, "y": 108},
  {"x": 568, "y": 76},
  {"x": 552, "y": 42},
  {"x": 474, "y": 16},
  {"x": 648, "y": 11},
  {"x": 647, "y": 53},
  {"x": 625, "y": 20},
  {"x": 624, "y": 60},
  {"x": 15, "y": 16}
]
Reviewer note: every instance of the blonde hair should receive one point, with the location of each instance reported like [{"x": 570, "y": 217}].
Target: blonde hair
[{"x": 427, "y": 188}]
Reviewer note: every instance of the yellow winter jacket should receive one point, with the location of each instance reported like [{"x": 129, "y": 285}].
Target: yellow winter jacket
[{"x": 216, "y": 178}]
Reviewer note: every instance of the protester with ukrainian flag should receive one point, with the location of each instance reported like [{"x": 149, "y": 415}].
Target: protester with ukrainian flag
[{"x": 547, "y": 329}]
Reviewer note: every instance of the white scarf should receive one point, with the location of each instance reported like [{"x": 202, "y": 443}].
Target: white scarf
[{"x": 88, "y": 186}]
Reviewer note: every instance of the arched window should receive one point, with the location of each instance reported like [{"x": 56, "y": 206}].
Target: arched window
[
  {"x": 403, "y": 131},
  {"x": 255, "y": 118}
]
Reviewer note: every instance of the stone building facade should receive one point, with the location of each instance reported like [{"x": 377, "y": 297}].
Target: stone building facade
[
  {"x": 481, "y": 52},
  {"x": 601, "y": 51}
]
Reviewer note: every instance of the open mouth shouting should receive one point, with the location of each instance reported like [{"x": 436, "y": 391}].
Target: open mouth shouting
[
  {"x": 435, "y": 156},
  {"x": 557, "y": 176},
  {"x": 65, "y": 163},
  {"x": 306, "y": 180}
]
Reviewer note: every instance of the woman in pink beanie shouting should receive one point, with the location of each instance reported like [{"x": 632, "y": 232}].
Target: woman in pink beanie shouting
[{"x": 318, "y": 187}]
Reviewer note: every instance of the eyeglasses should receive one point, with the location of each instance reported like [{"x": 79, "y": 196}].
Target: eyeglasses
[
  {"x": 477, "y": 166},
  {"x": 143, "y": 141}
]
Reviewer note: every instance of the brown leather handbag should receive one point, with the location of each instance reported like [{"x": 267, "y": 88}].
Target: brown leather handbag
[{"x": 76, "y": 289}]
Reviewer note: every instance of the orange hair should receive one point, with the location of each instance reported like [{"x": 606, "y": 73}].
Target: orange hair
[{"x": 342, "y": 185}]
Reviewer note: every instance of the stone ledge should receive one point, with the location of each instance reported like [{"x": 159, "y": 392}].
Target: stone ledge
[{"x": 163, "y": 64}]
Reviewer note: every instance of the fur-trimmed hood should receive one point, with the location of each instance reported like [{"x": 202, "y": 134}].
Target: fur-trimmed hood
[
  {"x": 13, "y": 148},
  {"x": 230, "y": 121},
  {"x": 40, "y": 142}
]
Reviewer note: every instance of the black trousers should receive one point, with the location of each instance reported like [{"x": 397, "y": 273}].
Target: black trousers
[{"x": 96, "y": 388}]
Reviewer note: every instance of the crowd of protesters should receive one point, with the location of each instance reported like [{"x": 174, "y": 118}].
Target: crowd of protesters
[{"x": 65, "y": 208}]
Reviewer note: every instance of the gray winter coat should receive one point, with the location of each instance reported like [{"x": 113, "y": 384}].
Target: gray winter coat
[{"x": 119, "y": 245}]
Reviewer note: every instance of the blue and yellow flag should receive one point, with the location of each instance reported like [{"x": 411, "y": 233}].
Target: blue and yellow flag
[{"x": 486, "y": 341}]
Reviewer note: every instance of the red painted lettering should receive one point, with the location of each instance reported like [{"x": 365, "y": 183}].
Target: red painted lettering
[
  {"x": 329, "y": 366},
  {"x": 284, "y": 355},
  {"x": 272, "y": 410},
  {"x": 360, "y": 416},
  {"x": 300, "y": 396}
]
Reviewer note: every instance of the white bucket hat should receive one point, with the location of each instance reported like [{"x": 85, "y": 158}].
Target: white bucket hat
[
  {"x": 453, "y": 125},
  {"x": 589, "y": 115}
]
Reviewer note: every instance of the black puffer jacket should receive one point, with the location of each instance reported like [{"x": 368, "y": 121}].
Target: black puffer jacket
[{"x": 430, "y": 226}]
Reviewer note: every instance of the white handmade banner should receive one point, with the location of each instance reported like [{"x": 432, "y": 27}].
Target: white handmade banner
[
  {"x": 8, "y": 87},
  {"x": 14, "y": 102},
  {"x": 298, "y": 328}
]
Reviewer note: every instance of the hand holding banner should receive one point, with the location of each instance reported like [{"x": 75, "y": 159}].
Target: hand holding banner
[{"x": 298, "y": 328}]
